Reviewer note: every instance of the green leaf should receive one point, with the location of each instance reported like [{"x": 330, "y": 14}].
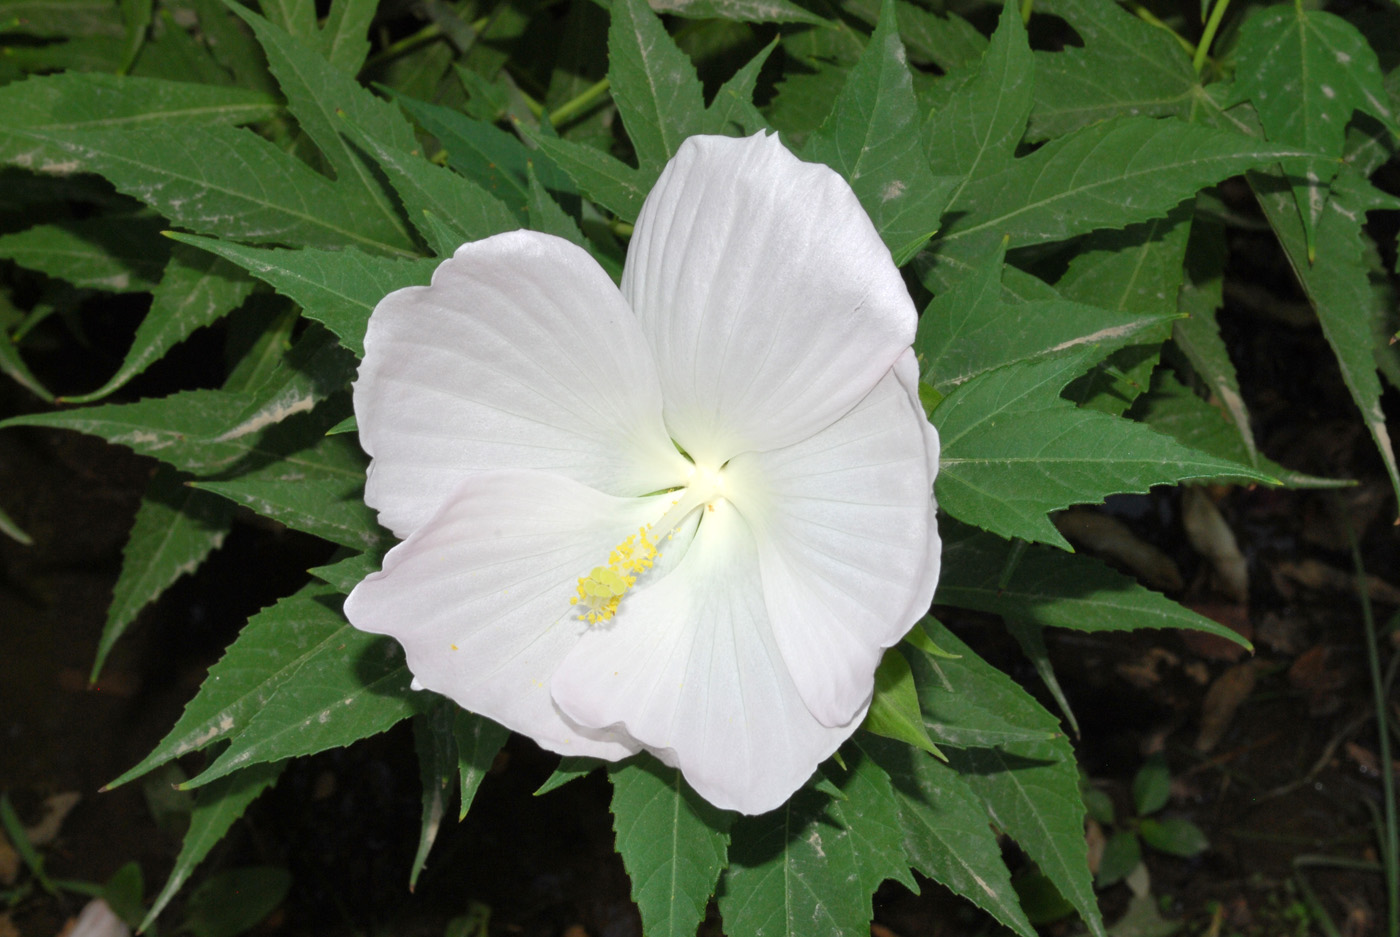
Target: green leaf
[
  {"x": 339, "y": 289},
  {"x": 672, "y": 843},
  {"x": 1121, "y": 854},
  {"x": 11, "y": 364},
  {"x": 1306, "y": 72},
  {"x": 1031, "y": 638},
  {"x": 1013, "y": 451},
  {"x": 347, "y": 688},
  {"x": 112, "y": 254},
  {"x": 1107, "y": 175},
  {"x": 136, "y": 17},
  {"x": 62, "y": 18},
  {"x": 1054, "y": 589},
  {"x": 1135, "y": 271},
  {"x": 605, "y": 179},
  {"x": 871, "y": 137},
  {"x": 229, "y": 903},
  {"x": 570, "y": 769},
  {"x": 1174, "y": 835},
  {"x": 423, "y": 187},
  {"x": 323, "y": 99},
  {"x": 216, "y": 807},
  {"x": 894, "y": 710},
  {"x": 12, "y": 530},
  {"x": 436, "y": 745},
  {"x": 982, "y": 114},
  {"x": 1030, "y": 788},
  {"x": 75, "y": 101},
  {"x": 732, "y": 109},
  {"x": 195, "y": 290},
  {"x": 226, "y": 182},
  {"x": 1152, "y": 785},
  {"x": 1173, "y": 409},
  {"x": 176, "y": 528},
  {"x": 315, "y": 368},
  {"x": 743, "y": 11},
  {"x": 653, "y": 83},
  {"x": 345, "y": 574},
  {"x": 1126, "y": 67},
  {"x": 963, "y": 702},
  {"x": 868, "y": 813},
  {"x": 1338, "y": 286},
  {"x": 343, "y": 37},
  {"x": 970, "y": 328},
  {"x": 478, "y": 741},
  {"x": 272, "y": 648},
  {"x": 945, "y": 832}
]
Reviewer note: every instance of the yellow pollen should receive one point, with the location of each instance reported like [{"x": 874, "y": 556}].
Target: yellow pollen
[{"x": 602, "y": 589}]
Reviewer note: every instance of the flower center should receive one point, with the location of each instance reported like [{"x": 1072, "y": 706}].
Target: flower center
[{"x": 602, "y": 589}]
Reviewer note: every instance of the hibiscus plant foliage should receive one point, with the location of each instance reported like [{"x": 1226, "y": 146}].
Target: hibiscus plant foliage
[{"x": 1040, "y": 177}]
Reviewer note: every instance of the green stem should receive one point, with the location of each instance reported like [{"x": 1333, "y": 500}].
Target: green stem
[
  {"x": 1390, "y": 847},
  {"x": 1217, "y": 14},
  {"x": 1026, "y": 6},
  {"x": 1147, "y": 16},
  {"x": 573, "y": 107},
  {"x": 404, "y": 46}
]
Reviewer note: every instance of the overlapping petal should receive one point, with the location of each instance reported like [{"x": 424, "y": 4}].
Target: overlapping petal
[
  {"x": 690, "y": 668},
  {"x": 479, "y": 597},
  {"x": 770, "y": 302},
  {"x": 847, "y": 541},
  {"x": 521, "y": 354}
]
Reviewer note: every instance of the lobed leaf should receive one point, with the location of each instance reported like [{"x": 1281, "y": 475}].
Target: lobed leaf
[
  {"x": 672, "y": 843},
  {"x": 478, "y": 741},
  {"x": 436, "y": 746},
  {"x": 653, "y": 83},
  {"x": 109, "y": 253}
]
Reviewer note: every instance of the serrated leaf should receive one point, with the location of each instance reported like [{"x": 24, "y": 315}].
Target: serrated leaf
[
  {"x": 345, "y": 574},
  {"x": 176, "y": 528},
  {"x": 339, "y": 289},
  {"x": 196, "y": 289},
  {"x": 343, "y": 37},
  {"x": 422, "y": 187},
  {"x": 945, "y": 833},
  {"x": 315, "y": 368},
  {"x": 1126, "y": 67},
  {"x": 732, "y": 108},
  {"x": 317, "y": 489},
  {"x": 787, "y": 876},
  {"x": 436, "y": 746},
  {"x": 653, "y": 83},
  {"x": 323, "y": 99},
  {"x": 570, "y": 769},
  {"x": 271, "y": 648},
  {"x": 1338, "y": 286},
  {"x": 743, "y": 11},
  {"x": 605, "y": 179},
  {"x": 1030, "y": 789},
  {"x": 216, "y": 807},
  {"x": 803, "y": 98},
  {"x": 1173, "y": 409},
  {"x": 1013, "y": 450},
  {"x": 1135, "y": 271},
  {"x": 894, "y": 710},
  {"x": 868, "y": 813},
  {"x": 478, "y": 741},
  {"x": 62, "y": 17},
  {"x": 871, "y": 137},
  {"x": 1031, "y": 638},
  {"x": 112, "y": 254},
  {"x": 223, "y": 181},
  {"x": 1107, "y": 175},
  {"x": 74, "y": 101},
  {"x": 1306, "y": 72},
  {"x": 351, "y": 686},
  {"x": 963, "y": 703},
  {"x": 1198, "y": 335},
  {"x": 970, "y": 328},
  {"x": 672, "y": 843},
  {"x": 1054, "y": 589},
  {"x": 975, "y": 130}
]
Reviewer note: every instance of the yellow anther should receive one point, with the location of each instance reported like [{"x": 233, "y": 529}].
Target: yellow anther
[{"x": 602, "y": 589}]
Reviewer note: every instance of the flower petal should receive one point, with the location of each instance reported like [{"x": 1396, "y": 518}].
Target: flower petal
[
  {"x": 690, "y": 669},
  {"x": 847, "y": 540},
  {"x": 769, "y": 300},
  {"x": 479, "y": 597},
  {"x": 521, "y": 354}
]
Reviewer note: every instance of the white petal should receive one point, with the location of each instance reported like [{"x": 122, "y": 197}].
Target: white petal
[
  {"x": 479, "y": 597},
  {"x": 847, "y": 541},
  {"x": 522, "y": 354},
  {"x": 768, "y": 297},
  {"x": 689, "y": 668}
]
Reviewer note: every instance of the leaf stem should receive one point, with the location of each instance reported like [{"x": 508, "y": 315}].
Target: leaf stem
[
  {"x": 575, "y": 106},
  {"x": 1147, "y": 16},
  {"x": 1026, "y": 6},
  {"x": 1217, "y": 14}
]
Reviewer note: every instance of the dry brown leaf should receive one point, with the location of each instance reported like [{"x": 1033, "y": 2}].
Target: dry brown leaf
[
  {"x": 1313, "y": 674},
  {"x": 1214, "y": 540},
  {"x": 1213, "y": 647},
  {"x": 1222, "y": 701},
  {"x": 9, "y": 863},
  {"x": 56, "y": 810},
  {"x": 1112, "y": 539},
  {"x": 1314, "y": 574},
  {"x": 1095, "y": 839},
  {"x": 7, "y": 927}
]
